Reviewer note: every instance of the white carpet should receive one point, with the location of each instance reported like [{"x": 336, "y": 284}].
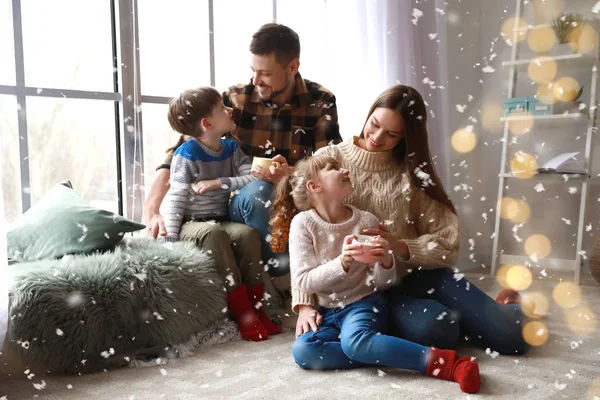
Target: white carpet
[{"x": 566, "y": 367}]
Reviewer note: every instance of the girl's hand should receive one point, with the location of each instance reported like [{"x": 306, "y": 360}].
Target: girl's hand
[
  {"x": 398, "y": 246},
  {"x": 308, "y": 318},
  {"x": 206, "y": 186},
  {"x": 382, "y": 251},
  {"x": 349, "y": 250}
]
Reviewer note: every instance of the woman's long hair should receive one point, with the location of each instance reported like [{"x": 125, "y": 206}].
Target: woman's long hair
[{"x": 409, "y": 104}]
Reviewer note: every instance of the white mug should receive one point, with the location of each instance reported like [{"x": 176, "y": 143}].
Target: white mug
[{"x": 264, "y": 162}]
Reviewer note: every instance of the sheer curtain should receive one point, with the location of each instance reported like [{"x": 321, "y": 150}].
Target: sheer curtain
[
  {"x": 375, "y": 44},
  {"x": 3, "y": 268}
]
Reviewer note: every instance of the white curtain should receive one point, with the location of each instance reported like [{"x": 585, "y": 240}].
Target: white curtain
[
  {"x": 374, "y": 44},
  {"x": 3, "y": 268}
]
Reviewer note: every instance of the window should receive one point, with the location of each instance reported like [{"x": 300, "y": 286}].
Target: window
[
  {"x": 313, "y": 42},
  {"x": 158, "y": 136},
  {"x": 73, "y": 139},
  {"x": 67, "y": 45},
  {"x": 7, "y": 51},
  {"x": 9, "y": 142},
  {"x": 174, "y": 46},
  {"x": 233, "y": 33}
]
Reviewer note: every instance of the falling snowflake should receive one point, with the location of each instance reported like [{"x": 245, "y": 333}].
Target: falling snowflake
[{"x": 416, "y": 14}]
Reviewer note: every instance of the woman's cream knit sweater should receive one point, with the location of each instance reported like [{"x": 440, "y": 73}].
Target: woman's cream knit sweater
[{"x": 383, "y": 187}]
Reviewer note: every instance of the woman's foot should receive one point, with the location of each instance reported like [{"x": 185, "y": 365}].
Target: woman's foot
[
  {"x": 509, "y": 296},
  {"x": 446, "y": 364}
]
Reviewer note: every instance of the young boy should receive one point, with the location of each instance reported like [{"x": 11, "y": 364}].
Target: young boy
[{"x": 204, "y": 171}]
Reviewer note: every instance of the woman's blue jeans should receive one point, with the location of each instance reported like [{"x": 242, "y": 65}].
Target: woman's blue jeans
[
  {"x": 354, "y": 336},
  {"x": 252, "y": 207},
  {"x": 433, "y": 308}
]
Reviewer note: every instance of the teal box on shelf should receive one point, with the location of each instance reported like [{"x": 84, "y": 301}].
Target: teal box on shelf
[
  {"x": 536, "y": 107},
  {"x": 515, "y": 105}
]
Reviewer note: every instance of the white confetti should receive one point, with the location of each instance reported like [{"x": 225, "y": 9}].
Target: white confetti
[
  {"x": 488, "y": 70},
  {"x": 40, "y": 386},
  {"x": 59, "y": 332},
  {"x": 163, "y": 372},
  {"x": 416, "y": 14},
  {"x": 461, "y": 108},
  {"x": 539, "y": 188}
]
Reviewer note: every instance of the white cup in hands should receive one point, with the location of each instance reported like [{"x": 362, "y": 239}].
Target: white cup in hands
[
  {"x": 365, "y": 242},
  {"x": 264, "y": 162}
]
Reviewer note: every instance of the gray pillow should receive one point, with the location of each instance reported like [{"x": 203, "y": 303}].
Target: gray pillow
[{"x": 63, "y": 223}]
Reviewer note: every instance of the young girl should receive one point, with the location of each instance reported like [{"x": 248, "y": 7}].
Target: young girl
[
  {"x": 204, "y": 171},
  {"x": 348, "y": 292}
]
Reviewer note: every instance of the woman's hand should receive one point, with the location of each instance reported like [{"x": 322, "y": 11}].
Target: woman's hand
[
  {"x": 349, "y": 250},
  {"x": 206, "y": 186},
  {"x": 272, "y": 174},
  {"x": 397, "y": 246},
  {"x": 308, "y": 318},
  {"x": 382, "y": 251}
]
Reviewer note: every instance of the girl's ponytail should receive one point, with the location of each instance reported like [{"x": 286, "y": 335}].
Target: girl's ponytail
[{"x": 282, "y": 212}]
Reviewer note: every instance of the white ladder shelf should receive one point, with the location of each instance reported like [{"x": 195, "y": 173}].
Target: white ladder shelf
[{"x": 515, "y": 64}]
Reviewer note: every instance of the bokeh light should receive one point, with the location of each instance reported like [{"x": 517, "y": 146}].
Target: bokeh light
[
  {"x": 566, "y": 294},
  {"x": 581, "y": 320},
  {"x": 518, "y": 277},
  {"x": 463, "y": 140},
  {"x": 523, "y": 165},
  {"x": 542, "y": 69},
  {"x": 583, "y": 39},
  {"x": 491, "y": 117},
  {"x": 522, "y": 124},
  {"x": 566, "y": 88},
  {"x": 537, "y": 247},
  {"x": 501, "y": 275},
  {"x": 508, "y": 208},
  {"x": 594, "y": 389},
  {"x": 541, "y": 39},
  {"x": 545, "y": 93},
  {"x": 535, "y": 333},
  {"x": 535, "y": 304},
  {"x": 512, "y": 35},
  {"x": 523, "y": 212}
]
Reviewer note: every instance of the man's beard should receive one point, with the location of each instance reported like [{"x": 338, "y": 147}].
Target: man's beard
[{"x": 274, "y": 93}]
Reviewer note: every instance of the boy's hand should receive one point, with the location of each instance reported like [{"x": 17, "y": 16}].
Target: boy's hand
[
  {"x": 382, "y": 251},
  {"x": 206, "y": 186},
  {"x": 349, "y": 250}
]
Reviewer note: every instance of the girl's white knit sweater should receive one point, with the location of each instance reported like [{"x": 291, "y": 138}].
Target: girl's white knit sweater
[{"x": 316, "y": 270}]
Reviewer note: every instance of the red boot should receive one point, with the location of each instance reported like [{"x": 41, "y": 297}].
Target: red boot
[
  {"x": 243, "y": 312},
  {"x": 446, "y": 364},
  {"x": 255, "y": 295}
]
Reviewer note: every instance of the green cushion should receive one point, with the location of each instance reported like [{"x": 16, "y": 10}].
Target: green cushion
[{"x": 63, "y": 223}]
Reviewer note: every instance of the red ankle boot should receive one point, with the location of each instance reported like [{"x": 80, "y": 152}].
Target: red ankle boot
[
  {"x": 243, "y": 312},
  {"x": 255, "y": 295},
  {"x": 446, "y": 364}
]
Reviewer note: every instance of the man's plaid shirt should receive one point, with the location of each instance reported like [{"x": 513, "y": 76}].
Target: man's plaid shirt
[{"x": 306, "y": 123}]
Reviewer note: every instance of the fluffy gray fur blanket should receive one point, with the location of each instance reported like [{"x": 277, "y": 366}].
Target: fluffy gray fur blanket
[{"x": 141, "y": 301}]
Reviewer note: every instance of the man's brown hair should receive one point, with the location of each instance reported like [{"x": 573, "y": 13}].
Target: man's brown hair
[{"x": 278, "y": 39}]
